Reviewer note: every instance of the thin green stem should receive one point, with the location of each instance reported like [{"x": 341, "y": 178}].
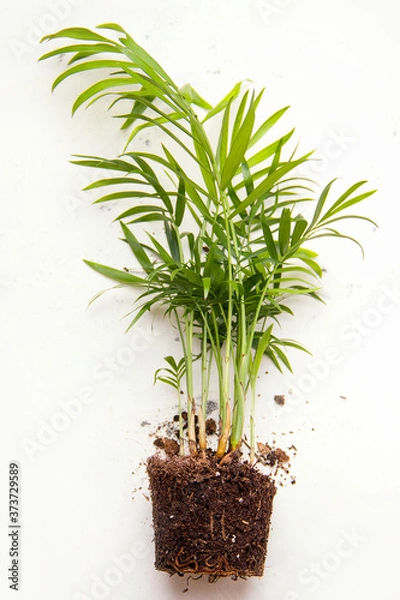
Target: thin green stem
[
  {"x": 181, "y": 436},
  {"x": 204, "y": 369},
  {"x": 253, "y": 421},
  {"x": 191, "y": 407}
]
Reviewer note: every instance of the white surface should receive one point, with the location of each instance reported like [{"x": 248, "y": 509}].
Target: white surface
[{"x": 337, "y": 64}]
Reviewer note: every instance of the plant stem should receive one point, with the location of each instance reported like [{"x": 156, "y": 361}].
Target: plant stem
[
  {"x": 224, "y": 401},
  {"x": 181, "y": 437},
  {"x": 204, "y": 386},
  {"x": 241, "y": 360},
  {"x": 191, "y": 405},
  {"x": 253, "y": 422}
]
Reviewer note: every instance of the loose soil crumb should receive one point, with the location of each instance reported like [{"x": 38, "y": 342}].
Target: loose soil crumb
[
  {"x": 281, "y": 455},
  {"x": 270, "y": 459},
  {"x": 224, "y": 515},
  {"x": 170, "y": 447},
  {"x": 211, "y": 427},
  {"x": 263, "y": 449},
  {"x": 279, "y": 399}
]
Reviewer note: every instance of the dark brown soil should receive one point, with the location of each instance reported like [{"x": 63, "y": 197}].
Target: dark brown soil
[
  {"x": 281, "y": 455},
  {"x": 210, "y": 518},
  {"x": 279, "y": 399},
  {"x": 211, "y": 427},
  {"x": 170, "y": 447}
]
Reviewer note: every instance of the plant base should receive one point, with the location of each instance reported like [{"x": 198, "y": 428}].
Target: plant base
[{"x": 210, "y": 518}]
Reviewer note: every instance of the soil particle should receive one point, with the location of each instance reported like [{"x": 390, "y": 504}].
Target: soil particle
[
  {"x": 170, "y": 447},
  {"x": 281, "y": 455},
  {"x": 263, "y": 449},
  {"x": 279, "y": 399},
  {"x": 211, "y": 427},
  {"x": 210, "y": 518},
  {"x": 271, "y": 459}
]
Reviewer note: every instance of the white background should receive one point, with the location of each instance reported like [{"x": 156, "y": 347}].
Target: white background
[{"x": 336, "y": 64}]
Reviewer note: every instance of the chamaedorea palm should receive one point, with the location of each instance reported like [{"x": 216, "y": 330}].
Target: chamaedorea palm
[{"x": 234, "y": 249}]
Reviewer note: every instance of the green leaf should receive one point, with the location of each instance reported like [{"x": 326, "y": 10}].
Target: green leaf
[
  {"x": 350, "y": 202},
  {"x": 172, "y": 382},
  {"x": 239, "y": 114},
  {"x": 267, "y": 125},
  {"x": 151, "y": 177},
  {"x": 283, "y": 358},
  {"x": 204, "y": 164},
  {"x": 151, "y": 218},
  {"x": 114, "y": 181},
  {"x": 270, "y": 150},
  {"x": 268, "y": 184},
  {"x": 298, "y": 230},
  {"x": 222, "y": 147},
  {"x": 238, "y": 148},
  {"x": 268, "y": 238},
  {"x": 247, "y": 178},
  {"x": 206, "y": 286},
  {"x": 115, "y": 274},
  {"x": 320, "y": 204},
  {"x": 173, "y": 242},
  {"x": 76, "y": 33},
  {"x": 161, "y": 251},
  {"x": 98, "y": 87},
  {"x": 313, "y": 265},
  {"x": 180, "y": 203},
  {"x": 261, "y": 348},
  {"x": 139, "y": 106},
  {"x": 88, "y": 66},
  {"x": 141, "y": 57},
  {"x": 87, "y": 50},
  {"x": 235, "y": 91},
  {"x": 190, "y": 94},
  {"x": 293, "y": 344},
  {"x": 271, "y": 354},
  {"x": 284, "y": 230},
  {"x": 143, "y": 208},
  {"x": 123, "y": 195},
  {"x": 344, "y": 196},
  {"x": 137, "y": 249}
]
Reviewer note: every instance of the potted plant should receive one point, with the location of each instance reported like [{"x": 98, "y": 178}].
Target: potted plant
[{"x": 237, "y": 218}]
